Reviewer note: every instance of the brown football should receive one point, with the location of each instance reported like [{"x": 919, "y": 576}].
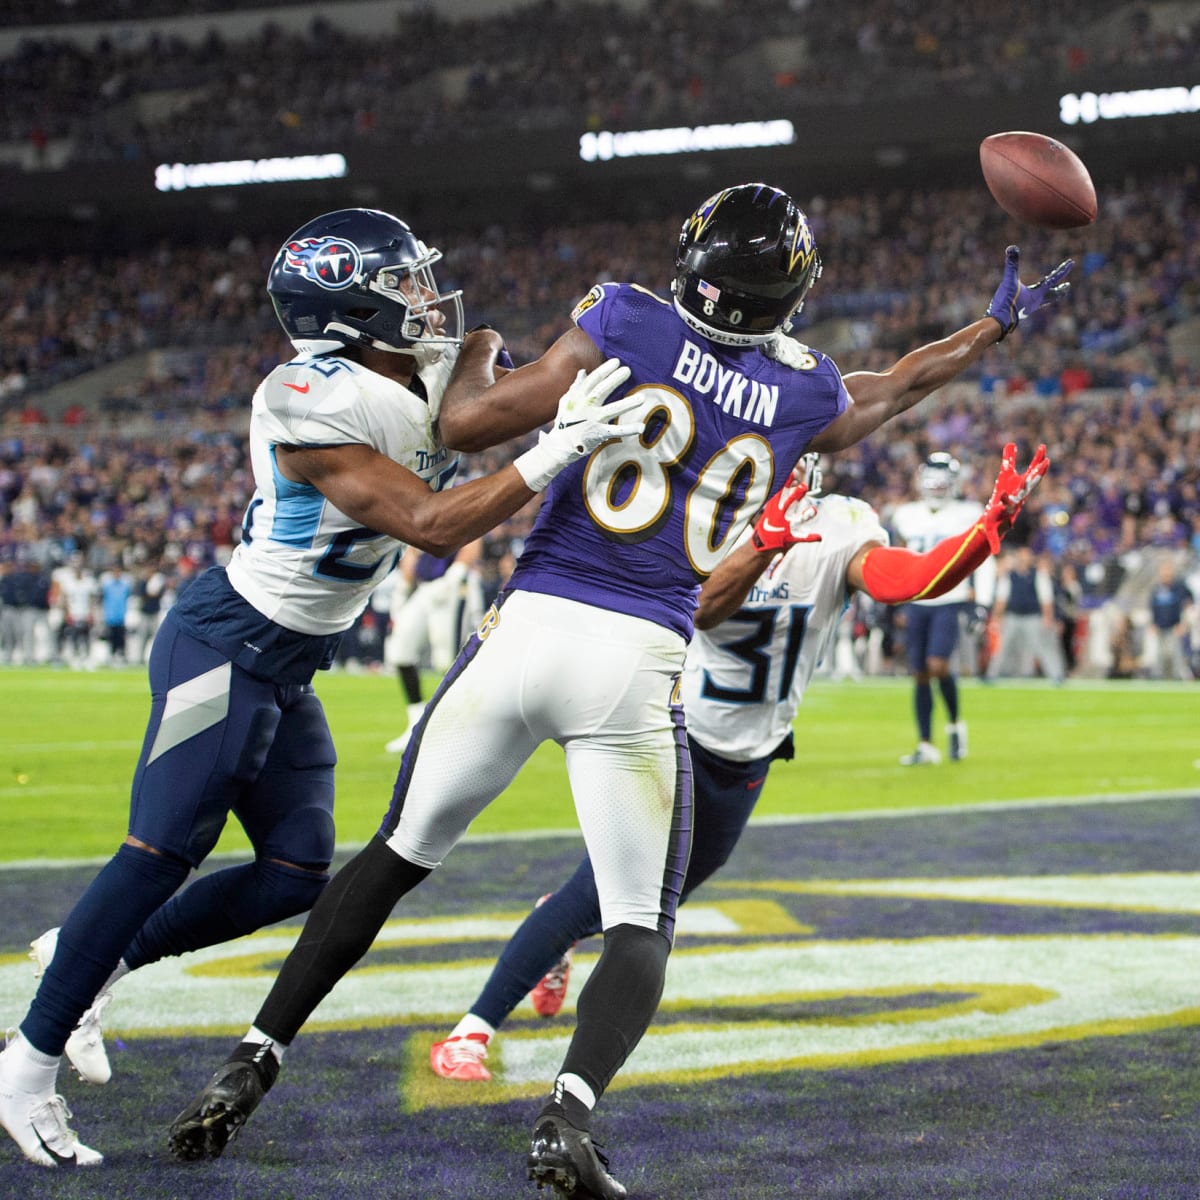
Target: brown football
[{"x": 1038, "y": 180}]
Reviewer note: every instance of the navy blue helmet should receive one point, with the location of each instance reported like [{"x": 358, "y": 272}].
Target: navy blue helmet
[
  {"x": 358, "y": 277},
  {"x": 745, "y": 262}
]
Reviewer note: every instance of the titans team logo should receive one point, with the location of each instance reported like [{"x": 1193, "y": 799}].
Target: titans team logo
[{"x": 330, "y": 262}]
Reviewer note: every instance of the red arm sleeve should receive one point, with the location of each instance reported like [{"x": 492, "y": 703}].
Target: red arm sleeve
[{"x": 893, "y": 575}]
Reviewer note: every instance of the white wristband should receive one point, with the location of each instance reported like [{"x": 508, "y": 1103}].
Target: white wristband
[{"x": 539, "y": 465}]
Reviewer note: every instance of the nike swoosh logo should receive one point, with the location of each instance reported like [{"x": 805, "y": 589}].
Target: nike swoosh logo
[
  {"x": 772, "y": 528},
  {"x": 62, "y": 1159},
  {"x": 297, "y": 388},
  {"x": 753, "y": 783}
]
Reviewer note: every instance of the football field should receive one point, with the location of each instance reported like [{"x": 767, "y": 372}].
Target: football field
[
  {"x": 71, "y": 742},
  {"x": 970, "y": 982}
]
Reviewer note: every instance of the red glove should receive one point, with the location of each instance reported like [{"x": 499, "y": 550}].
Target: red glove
[
  {"x": 774, "y": 530},
  {"x": 1010, "y": 493},
  {"x": 892, "y": 574}
]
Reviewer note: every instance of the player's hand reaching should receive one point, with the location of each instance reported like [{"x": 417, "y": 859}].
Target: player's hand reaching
[
  {"x": 583, "y": 422},
  {"x": 781, "y": 522},
  {"x": 789, "y": 352},
  {"x": 1010, "y": 493},
  {"x": 1014, "y": 301}
]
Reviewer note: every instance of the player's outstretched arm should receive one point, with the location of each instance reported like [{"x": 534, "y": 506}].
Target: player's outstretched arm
[
  {"x": 380, "y": 494},
  {"x": 478, "y": 410},
  {"x": 893, "y": 575},
  {"x": 878, "y": 396},
  {"x": 779, "y": 527}
]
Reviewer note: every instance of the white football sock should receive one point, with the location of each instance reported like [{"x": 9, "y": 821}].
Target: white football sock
[
  {"x": 578, "y": 1088},
  {"x": 473, "y": 1024},
  {"x": 26, "y": 1069},
  {"x": 256, "y": 1037}
]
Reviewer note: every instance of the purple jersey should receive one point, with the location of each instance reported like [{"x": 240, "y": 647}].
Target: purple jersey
[
  {"x": 640, "y": 523},
  {"x": 429, "y": 567}
]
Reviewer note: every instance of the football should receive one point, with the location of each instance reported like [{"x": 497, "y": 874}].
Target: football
[{"x": 1038, "y": 180}]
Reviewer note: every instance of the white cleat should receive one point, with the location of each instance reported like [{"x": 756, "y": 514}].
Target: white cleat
[
  {"x": 85, "y": 1047},
  {"x": 37, "y": 1122},
  {"x": 40, "y": 1129},
  {"x": 926, "y": 752},
  {"x": 397, "y": 744}
]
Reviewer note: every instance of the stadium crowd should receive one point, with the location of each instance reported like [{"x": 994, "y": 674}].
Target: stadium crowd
[
  {"x": 145, "y": 472},
  {"x": 546, "y": 65},
  {"x": 1105, "y": 382}
]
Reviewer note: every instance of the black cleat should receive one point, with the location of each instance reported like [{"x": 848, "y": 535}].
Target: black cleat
[
  {"x": 213, "y": 1118},
  {"x": 566, "y": 1158}
]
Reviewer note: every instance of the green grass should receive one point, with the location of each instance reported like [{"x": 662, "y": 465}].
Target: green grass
[{"x": 71, "y": 741}]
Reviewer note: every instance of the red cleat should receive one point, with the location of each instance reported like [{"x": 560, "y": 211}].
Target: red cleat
[
  {"x": 461, "y": 1058},
  {"x": 551, "y": 990}
]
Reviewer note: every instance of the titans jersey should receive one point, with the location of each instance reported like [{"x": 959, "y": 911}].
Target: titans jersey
[
  {"x": 921, "y": 527},
  {"x": 637, "y": 525},
  {"x": 745, "y": 678},
  {"x": 303, "y": 563}
]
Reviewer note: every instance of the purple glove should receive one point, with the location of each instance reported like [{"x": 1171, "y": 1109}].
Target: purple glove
[
  {"x": 1014, "y": 301},
  {"x": 503, "y": 359}
]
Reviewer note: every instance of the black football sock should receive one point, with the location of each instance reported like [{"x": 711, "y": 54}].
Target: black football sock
[
  {"x": 410, "y": 682},
  {"x": 617, "y": 1004},
  {"x": 338, "y": 932}
]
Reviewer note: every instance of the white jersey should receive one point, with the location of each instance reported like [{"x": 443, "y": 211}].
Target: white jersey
[
  {"x": 303, "y": 563},
  {"x": 744, "y": 679},
  {"x": 921, "y": 527},
  {"x": 78, "y": 590}
]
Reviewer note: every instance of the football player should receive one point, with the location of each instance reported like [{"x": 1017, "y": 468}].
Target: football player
[
  {"x": 435, "y": 605},
  {"x": 348, "y": 468},
  {"x": 766, "y": 617},
  {"x": 932, "y": 625},
  {"x": 586, "y": 644}
]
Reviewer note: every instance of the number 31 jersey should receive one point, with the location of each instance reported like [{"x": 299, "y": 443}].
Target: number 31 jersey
[
  {"x": 637, "y": 525},
  {"x": 744, "y": 679}
]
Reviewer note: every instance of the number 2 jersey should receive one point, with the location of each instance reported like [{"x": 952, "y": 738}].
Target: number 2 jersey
[
  {"x": 637, "y": 525},
  {"x": 304, "y": 571},
  {"x": 744, "y": 679}
]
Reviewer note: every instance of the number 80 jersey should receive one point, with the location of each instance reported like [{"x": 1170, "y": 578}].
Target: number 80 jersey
[{"x": 641, "y": 522}]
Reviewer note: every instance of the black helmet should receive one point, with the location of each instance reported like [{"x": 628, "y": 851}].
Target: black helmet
[
  {"x": 360, "y": 277},
  {"x": 745, "y": 262}
]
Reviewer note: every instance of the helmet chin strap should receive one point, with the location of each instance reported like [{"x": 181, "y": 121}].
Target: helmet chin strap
[{"x": 720, "y": 336}]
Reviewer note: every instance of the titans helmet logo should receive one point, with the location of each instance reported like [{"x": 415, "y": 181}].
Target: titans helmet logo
[{"x": 329, "y": 262}]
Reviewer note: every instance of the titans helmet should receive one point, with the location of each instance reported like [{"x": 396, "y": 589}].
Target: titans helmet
[
  {"x": 358, "y": 277},
  {"x": 938, "y": 478},
  {"x": 745, "y": 262}
]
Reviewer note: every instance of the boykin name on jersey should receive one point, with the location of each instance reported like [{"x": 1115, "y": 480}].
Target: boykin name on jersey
[
  {"x": 637, "y": 525},
  {"x": 730, "y": 390}
]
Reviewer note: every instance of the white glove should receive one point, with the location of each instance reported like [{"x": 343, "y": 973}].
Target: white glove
[
  {"x": 789, "y": 352},
  {"x": 581, "y": 424}
]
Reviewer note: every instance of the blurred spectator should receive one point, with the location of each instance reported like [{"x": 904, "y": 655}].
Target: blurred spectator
[
  {"x": 116, "y": 592},
  {"x": 1167, "y": 651},
  {"x": 1025, "y": 611}
]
